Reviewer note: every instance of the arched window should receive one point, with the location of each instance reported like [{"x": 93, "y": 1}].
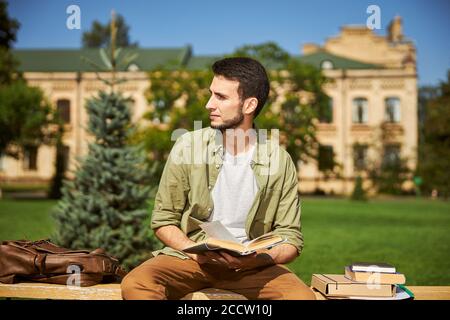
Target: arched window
[
  {"x": 360, "y": 110},
  {"x": 63, "y": 108},
  {"x": 326, "y": 65},
  {"x": 392, "y": 109}
]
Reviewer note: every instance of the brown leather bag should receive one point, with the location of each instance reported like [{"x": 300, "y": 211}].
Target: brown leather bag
[{"x": 44, "y": 261}]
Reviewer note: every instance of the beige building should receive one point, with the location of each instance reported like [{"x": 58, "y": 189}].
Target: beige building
[
  {"x": 373, "y": 89},
  {"x": 68, "y": 82}
]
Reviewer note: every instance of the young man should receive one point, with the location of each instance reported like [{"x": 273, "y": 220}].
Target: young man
[{"x": 228, "y": 172}]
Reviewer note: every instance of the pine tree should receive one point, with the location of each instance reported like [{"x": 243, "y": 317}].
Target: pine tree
[{"x": 106, "y": 204}]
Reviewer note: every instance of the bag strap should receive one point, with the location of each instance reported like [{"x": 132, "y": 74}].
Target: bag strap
[{"x": 39, "y": 262}]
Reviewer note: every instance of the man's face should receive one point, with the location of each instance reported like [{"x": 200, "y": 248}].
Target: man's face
[{"x": 224, "y": 105}]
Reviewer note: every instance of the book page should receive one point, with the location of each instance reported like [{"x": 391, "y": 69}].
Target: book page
[
  {"x": 217, "y": 230},
  {"x": 265, "y": 242},
  {"x": 263, "y": 237}
]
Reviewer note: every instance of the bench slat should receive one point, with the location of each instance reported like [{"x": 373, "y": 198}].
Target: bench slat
[
  {"x": 113, "y": 292},
  {"x": 57, "y": 291},
  {"x": 430, "y": 292}
]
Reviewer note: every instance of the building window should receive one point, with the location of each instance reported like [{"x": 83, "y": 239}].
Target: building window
[
  {"x": 326, "y": 161},
  {"x": 391, "y": 155},
  {"x": 360, "y": 110},
  {"x": 30, "y": 158},
  {"x": 63, "y": 108},
  {"x": 326, "y": 114},
  {"x": 360, "y": 157},
  {"x": 392, "y": 107}
]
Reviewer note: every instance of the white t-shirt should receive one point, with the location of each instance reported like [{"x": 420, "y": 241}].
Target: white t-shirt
[{"x": 234, "y": 192}]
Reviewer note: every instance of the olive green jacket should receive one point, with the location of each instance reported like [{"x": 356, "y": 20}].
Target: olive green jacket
[{"x": 184, "y": 195}]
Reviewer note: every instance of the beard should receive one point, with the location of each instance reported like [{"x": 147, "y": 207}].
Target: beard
[{"x": 231, "y": 123}]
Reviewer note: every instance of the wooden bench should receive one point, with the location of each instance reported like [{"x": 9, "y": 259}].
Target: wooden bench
[
  {"x": 113, "y": 292},
  {"x": 97, "y": 292}
]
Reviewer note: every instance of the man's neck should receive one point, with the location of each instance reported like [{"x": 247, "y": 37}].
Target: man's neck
[{"x": 240, "y": 139}]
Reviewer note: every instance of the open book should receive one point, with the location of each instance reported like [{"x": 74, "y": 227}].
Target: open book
[{"x": 219, "y": 238}]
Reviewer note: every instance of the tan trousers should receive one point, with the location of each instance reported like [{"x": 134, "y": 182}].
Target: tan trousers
[{"x": 168, "y": 277}]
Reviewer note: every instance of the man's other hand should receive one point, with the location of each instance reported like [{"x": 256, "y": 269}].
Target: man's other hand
[
  {"x": 209, "y": 258},
  {"x": 251, "y": 261}
]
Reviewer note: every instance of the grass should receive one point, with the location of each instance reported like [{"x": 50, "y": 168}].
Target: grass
[
  {"x": 413, "y": 235},
  {"x": 22, "y": 187},
  {"x": 25, "y": 219}
]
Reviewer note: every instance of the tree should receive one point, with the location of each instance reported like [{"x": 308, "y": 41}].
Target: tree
[
  {"x": 435, "y": 150},
  {"x": 99, "y": 35},
  {"x": 105, "y": 205},
  {"x": 387, "y": 169},
  {"x": 177, "y": 98},
  {"x": 25, "y": 116},
  {"x": 8, "y": 35},
  {"x": 359, "y": 193},
  {"x": 299, "y": 86},
  {"x": 24, "y": 112}
]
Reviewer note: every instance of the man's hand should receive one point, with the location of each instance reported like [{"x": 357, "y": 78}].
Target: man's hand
[{"x": 209, "y": 258}]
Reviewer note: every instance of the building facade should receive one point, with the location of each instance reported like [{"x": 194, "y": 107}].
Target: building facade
[{"x": 373, "y": 91}]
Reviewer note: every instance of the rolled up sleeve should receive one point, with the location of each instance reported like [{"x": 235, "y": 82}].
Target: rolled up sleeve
[
  {"x": 172, "y": 192},
  {"x": 287, "y": 222}
]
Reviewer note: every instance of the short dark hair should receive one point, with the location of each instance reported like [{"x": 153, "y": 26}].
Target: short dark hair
[{"x": 251, "y": 75}]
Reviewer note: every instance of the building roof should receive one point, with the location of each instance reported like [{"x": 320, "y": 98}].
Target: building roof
[
  {"x": 317, "y": 58},
  {"x": 201, "y": 62},
  {"x": 70, "y": 60}
]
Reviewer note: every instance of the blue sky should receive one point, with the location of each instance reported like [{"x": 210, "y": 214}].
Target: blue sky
[{"x": 217, "y": 27}]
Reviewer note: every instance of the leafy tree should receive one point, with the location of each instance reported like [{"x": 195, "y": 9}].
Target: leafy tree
[
  {"x": 8, "y": 35},
  {"x": 179, "y": 97},
  {"x": 300, "y": 86},
  {"x": 24, "y": 118},
  {"x": 389, "y": 177},
  {"x": 99, "y": 35},
  {"x": 24, "y": 112},
  {"x": 359, "y": 193},
  {"x": 388, "y": 170},
  {"x": 434, "y": 157}
]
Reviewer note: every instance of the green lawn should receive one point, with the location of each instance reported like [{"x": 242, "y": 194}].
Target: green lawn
[{"x": 414, "y": 235}]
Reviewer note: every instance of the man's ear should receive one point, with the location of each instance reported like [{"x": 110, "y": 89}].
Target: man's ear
[{"x": 250, "y": 105}]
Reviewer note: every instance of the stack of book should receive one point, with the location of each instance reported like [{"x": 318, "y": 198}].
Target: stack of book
[{"x": 363, "y": 280}]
